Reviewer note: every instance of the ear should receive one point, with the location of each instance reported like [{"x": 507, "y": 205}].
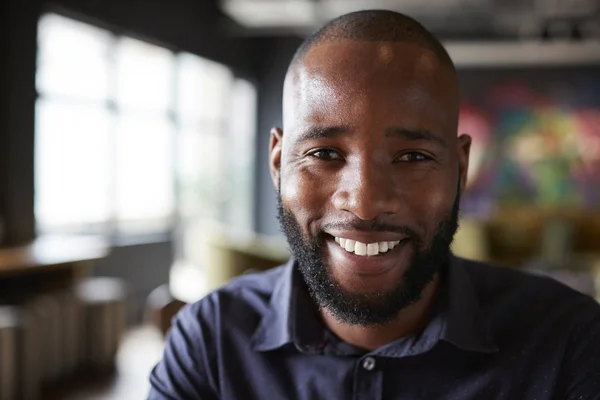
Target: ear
[
  {"x": 464, "y": 150},
  {"x": 275, "y": 143}
]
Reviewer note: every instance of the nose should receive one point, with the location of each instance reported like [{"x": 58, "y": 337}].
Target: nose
[{"x": 367, "y": 191}]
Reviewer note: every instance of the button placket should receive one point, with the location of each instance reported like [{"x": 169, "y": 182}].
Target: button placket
[{"x": 368, "y": 379}]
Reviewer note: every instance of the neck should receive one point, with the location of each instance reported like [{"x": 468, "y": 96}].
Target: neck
[{"x": 411, "y": 320}]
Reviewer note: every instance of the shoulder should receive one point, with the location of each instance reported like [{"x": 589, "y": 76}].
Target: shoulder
[
  {"x": 220, "y": 323},
  {"x": 516, "y": 292},
  {"x": 241, "y": 302}
]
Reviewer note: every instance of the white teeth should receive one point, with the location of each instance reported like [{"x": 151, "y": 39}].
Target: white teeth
[
  {"x": 372, "y": 249},
  {"x": 350, "y": 245},
  {"x": 360, "y": 249},
  {"x": 366, "y": 249}
]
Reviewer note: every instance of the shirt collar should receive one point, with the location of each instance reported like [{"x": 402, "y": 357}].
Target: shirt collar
[{"x": 292, "y": 317}]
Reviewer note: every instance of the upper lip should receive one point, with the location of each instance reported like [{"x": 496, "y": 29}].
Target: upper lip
[{"x": 368, "y": 237}]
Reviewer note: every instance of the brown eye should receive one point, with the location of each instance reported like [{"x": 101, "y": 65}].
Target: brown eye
[
  {"x": 413, "y": 156},
  {"x": 326, "y": 154}
]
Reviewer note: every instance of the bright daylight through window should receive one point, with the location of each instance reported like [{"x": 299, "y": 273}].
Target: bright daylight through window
[{"x": 132, "y": 137}]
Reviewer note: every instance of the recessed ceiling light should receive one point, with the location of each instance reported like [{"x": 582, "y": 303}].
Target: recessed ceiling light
[{"x": 271, "y": 13}]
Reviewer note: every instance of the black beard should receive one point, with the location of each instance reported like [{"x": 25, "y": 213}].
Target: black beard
[{"x": 369, "y": 308}]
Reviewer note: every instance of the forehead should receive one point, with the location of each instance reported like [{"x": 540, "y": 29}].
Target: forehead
[
  {"x": 370, "y": 58},
  {"x": 343, "y": 80}
]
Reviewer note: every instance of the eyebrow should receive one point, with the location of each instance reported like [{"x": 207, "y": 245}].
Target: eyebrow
[
  {"x": 328, "y": 132},
  {"x": 416, "y": 135},
  {"x": 324, "y": 132}
]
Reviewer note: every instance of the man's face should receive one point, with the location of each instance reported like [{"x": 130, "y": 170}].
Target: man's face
[{"x": 369, "y": 171}]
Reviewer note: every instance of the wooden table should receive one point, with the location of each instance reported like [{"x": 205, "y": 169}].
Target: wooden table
[
  {"x": 49, "y": 251},
  {"x": 40, "y": 278},
  {"x": 49, "y": 262}
]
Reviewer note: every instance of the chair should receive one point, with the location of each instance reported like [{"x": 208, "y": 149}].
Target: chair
[{"x": 104, "y": 302}]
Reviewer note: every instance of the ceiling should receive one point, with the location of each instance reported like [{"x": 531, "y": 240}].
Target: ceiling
[{"x": 456, "y": 18}]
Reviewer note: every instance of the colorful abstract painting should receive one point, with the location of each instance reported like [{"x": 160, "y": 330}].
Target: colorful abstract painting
[{"x": 534, "y": 144}]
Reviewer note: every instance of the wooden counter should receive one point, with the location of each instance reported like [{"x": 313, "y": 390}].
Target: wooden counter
[
  {"x": 52, "y": 251},
  {"x": 49, "y": 263},
  {"x": 40, "y": 281}
]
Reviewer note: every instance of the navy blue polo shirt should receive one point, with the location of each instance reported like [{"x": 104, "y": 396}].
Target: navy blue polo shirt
[{"x": 496, "y": 334}]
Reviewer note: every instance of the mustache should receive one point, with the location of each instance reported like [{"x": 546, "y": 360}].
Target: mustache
[{"x": 371, "y": 226}]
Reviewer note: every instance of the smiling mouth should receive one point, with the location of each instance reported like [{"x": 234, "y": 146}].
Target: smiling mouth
[{"x": 366, "y": 249}]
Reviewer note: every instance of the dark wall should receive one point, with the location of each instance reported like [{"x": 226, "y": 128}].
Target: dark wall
[
  {"x": 573, "y": 86},
  {"x": 17, "y": 120},
  {"x": 272, "y": 73},
  {"x": 3, "y": 113}
]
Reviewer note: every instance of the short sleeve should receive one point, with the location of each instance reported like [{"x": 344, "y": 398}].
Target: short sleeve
[{"x": 184, "y": 373}]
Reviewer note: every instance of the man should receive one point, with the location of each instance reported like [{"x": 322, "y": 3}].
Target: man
[{"x": 369, "y": 171}]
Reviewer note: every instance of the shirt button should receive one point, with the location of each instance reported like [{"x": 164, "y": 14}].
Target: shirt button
[{"x": 369, "y": 363}]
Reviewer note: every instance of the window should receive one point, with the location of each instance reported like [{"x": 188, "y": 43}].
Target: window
[
  {"x": 132, "y": 137},
  {"x": 73, "y": 126},
  {"x": 203, "y": 90},
  {"x": 241, "y": 172},
  {"x": 72, "y": 170}
]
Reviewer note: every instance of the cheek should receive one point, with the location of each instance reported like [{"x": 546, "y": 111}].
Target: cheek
[
  {"x": 304, "y": 194},
  {"x": 430, "y": 201},
  {"x": 434, "y": 203}
]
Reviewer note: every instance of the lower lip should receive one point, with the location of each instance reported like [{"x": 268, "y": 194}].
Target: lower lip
[{"x": 368, "y": 265}]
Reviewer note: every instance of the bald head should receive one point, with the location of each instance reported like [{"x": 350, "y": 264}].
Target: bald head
[
  {"x": 374, "y": 26},
  {"x": 357, "y": 55}
]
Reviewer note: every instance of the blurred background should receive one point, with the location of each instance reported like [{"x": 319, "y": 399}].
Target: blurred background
[{"x": 133, "y": 163}]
